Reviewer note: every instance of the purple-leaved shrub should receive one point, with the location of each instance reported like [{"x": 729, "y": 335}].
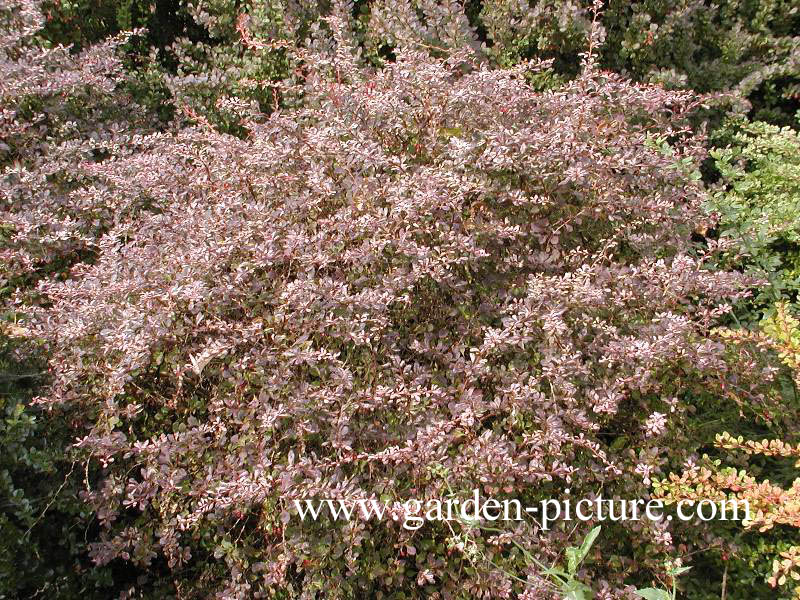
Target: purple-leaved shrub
[
  {"x": 425, "y": 279},
  {"x": 61, "y": 112}
]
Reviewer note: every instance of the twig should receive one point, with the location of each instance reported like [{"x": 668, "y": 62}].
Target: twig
[
  {"x": 53, "y": 499},
  {"x": 724, "y": 583}
]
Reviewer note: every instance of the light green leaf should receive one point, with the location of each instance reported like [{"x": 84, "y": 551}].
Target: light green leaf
[
  {"x": 572, "y": 560},
  {"x": 587, "y": 543},
  {"x": 653, "y": 594}
]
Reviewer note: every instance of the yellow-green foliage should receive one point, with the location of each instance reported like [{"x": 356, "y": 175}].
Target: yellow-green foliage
[{"x": 769, "y": 504}]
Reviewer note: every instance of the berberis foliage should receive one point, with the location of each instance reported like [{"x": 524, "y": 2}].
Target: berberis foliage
[
  {"x": 397, "y": 291},
  {"x": 402, "y": 281}
]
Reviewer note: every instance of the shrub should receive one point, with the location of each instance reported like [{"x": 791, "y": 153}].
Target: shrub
[
  {"x": 428, "y": 278},
  {"x": 756, "y": 207}
]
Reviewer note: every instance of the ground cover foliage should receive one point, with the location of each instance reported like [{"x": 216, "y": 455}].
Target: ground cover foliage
[{"x": 382, "y": 250}]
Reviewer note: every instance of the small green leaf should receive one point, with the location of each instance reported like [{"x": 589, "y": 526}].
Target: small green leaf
[
  {"x": 587, "y": 543},
  {"x": 575, "y": 590},
  {"x": 653, "y": 594},
  {"x": 572, "y": 560}
]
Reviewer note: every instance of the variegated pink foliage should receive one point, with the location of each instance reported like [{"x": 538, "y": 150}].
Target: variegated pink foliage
[
  {"x": 61, "y": 111},
  {"x": 430, "y": 278}
]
